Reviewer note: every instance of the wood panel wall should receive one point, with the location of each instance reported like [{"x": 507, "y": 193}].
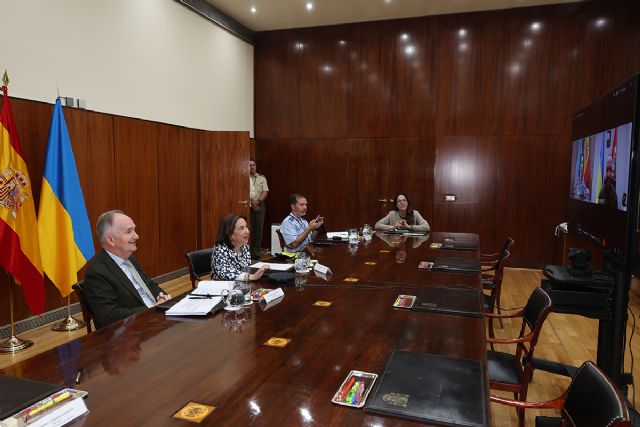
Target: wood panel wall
[
  {"x": 488, "y": 96},
  {"x": 176, "y": 183}
]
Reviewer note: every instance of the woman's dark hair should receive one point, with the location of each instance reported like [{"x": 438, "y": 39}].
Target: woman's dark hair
[
  {"x": 410, "y": 217},
  {"x": 227, "y": 225}
]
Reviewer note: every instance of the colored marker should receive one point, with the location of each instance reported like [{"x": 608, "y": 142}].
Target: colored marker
[{"x": 345, "y": 390}]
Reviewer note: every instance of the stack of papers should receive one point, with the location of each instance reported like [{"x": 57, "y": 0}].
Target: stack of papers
[
  {"x": 202, "y": 300},
  {"x": 272, "y": 266},
  {"x": 341, "y": 234}
]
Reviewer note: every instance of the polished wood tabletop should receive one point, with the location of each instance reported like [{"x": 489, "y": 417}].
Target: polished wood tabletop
[
  {"x": 143, "y": 369},
  {"x": 394, "y": 259}
]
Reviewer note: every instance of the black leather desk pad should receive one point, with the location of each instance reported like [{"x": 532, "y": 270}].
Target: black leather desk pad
[
  {"x": 464, "y": 302},
  {"x": 18, "y": 393},
  {"x": 457, "y": 265},
  {"x": 433, "y": 389}
]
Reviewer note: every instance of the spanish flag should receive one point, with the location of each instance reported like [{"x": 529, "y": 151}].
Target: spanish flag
[
  {"x": 19, "y": 251},
  {"x": 66, "y": 243}
]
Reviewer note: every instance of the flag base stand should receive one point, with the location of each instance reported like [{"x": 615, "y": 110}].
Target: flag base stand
[
  {"x": 14, "y": 344},
  {"x": 68, "y": 324}
]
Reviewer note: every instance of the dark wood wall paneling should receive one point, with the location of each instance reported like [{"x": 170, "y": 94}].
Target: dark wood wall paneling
[
  {"x": 477, "y": 104},
  {"x": 151, "y": 171}
]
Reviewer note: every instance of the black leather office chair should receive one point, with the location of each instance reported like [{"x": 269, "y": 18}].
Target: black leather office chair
[
  {"x": 87, "y": 314},
  {"x": 199, "y": 264},
  {"x": 591, "y": 400}
]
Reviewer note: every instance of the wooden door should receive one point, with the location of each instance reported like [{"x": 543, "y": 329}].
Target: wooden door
[
  {"x": 467, "y": 169},
  {"x": 368, "y": 167},
  {"x": 224, "y": 180},
  {"x": 410, "y": 171}
]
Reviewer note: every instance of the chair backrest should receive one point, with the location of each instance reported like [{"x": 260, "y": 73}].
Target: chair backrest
[
  {"x": 87, "y": 314},
  {"x": 282, "y": 244},
  {"x": 535, "y": 313},
  {"x": 593, "y": 400},
  {"x": 199, "y": 264}
]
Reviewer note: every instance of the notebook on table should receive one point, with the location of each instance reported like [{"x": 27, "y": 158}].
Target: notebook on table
[
  {"x": 432, "y": 389},
  {"x": 19, "y": 393},
  {"x": 459, "y": 301},
  {"x": 457, "y": 265}
]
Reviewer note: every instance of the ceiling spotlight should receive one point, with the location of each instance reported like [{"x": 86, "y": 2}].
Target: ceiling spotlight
[
  {"x": 601, "y": 22},
  {"x": 309, "y": 5},
  {"x": 253, "y": 9},
  {"x": 462, "y": 32},
  {"x": 404, "y": 37},
  {"x": 536, "y": 26}
]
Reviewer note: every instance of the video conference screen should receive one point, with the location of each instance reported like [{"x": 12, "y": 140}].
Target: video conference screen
[{"x": 600, "y": 167}]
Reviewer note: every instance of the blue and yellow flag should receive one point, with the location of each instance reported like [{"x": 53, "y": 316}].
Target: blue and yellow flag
[{"x": 66, "y": 243}]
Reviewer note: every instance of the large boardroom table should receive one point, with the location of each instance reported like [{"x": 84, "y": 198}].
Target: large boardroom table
[{"x": 143, "y": 369}]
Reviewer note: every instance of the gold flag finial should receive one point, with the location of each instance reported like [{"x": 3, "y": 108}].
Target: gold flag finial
[{"x": 5, "y": 78}]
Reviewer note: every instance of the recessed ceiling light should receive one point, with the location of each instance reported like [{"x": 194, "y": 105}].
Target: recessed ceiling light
[
  {"x": 536, "y": 26},
  {"x": 462, "y": 32},
  {"x": 309, "y": 5},
  {"x": 404, "y": 36},
  {"x": 253, "y": 9},
  {"x": 388, "y": 1},
  {"x": 601, "y": 22}
]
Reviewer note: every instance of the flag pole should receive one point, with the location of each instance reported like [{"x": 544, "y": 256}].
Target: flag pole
[
  {"x": 13, "y": 343},
  {"x": 70, "y": 323}
]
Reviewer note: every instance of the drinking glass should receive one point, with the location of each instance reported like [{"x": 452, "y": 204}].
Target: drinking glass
[
  {"x": 302, "y": 263},
  {"x": 353, "y": 235}
]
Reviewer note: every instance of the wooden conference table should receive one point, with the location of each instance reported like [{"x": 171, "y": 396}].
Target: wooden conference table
[{"x": 142, "y": 370}]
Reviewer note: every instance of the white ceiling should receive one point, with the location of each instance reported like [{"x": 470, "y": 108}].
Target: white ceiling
[{"x": 280, "y": 14}]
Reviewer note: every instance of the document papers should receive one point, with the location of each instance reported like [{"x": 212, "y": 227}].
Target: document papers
[
  {"x": 212, "y": 287},
  {"x": 194, "y": 306},
  {"x": 272, "y": 266},
  {"x": 202, "y": 300},
  {"x": 341, "y": 234}
]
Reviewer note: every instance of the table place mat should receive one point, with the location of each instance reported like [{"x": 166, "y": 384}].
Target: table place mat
[
  {"x": 432, "y": 389},
  {"x": 457, "y": 265},
  {"x": 322, "y": 303},
  {"x": 194, "y": 412},
  {"x": 277, "y": 342},
  {"x": 448, "y": 300},
  {"x": 370, "y": 263},
  {"x": 350, "y": 279}
]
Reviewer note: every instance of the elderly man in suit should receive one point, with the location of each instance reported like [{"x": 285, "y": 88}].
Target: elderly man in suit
[{"x": 115, "y": 285}]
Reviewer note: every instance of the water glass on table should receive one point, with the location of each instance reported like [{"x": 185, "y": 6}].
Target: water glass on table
[
  {"x": 353, "y": 235},
  {"x": 302, "y": 263}
]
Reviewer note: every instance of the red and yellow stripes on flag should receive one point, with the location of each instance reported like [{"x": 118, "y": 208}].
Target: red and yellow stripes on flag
[{"x": 19, "y": 247}]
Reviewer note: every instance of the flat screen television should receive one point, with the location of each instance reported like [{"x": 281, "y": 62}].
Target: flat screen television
[{"x": 603, "y": 189}]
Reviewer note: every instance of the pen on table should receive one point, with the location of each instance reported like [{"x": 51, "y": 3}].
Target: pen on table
[
  {"x": 203, "y": 296},
  {"x": 78, "y": 375}
]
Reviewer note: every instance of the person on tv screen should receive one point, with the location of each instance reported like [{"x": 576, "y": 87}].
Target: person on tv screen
[
  {"x": 607, "y": 195},
  {"x": 580, "y": 190}
]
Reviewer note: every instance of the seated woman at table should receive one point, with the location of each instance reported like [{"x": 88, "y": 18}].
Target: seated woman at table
[
  {"x": 231, "y": 254},
  {"x": 403, "y": 216}
]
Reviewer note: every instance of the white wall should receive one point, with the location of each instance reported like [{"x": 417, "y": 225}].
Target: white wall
[{"x": 151, "y": 59}]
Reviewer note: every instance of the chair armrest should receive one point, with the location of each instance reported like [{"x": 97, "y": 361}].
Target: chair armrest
[
  {"x": 493, "y": 255},
  {"x": 504, "y": 316},
  {"x": 551, "y": 404},
  {"x": 525, "y": 338}
]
